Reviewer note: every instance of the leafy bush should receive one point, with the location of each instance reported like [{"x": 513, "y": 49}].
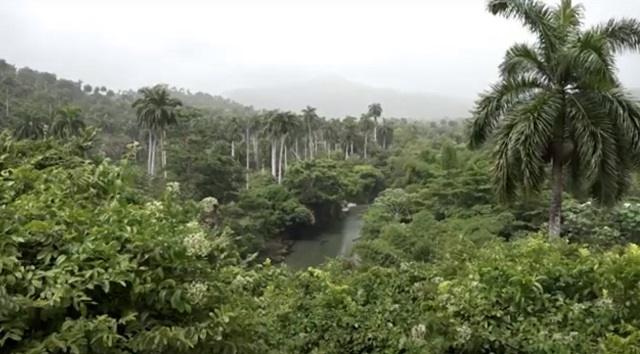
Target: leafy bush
[{"x": 87, "y": 265}]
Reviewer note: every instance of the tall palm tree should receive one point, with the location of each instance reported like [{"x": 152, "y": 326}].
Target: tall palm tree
[
  {"x": 279, "y": 126},
  {"x": 67, "y": 121},
  {"x": 558, "y": 100},
  {"x": 375, "y": 111},
  {"x": 386, "y": 132},
  {"x": 310, "y": 118},
  {"x": 348, "y": 135},
  {"x": 366, "y": 125},
  {"x": 271, "y": 130},
  {"x": 234, "y": 131},
  {"x": 31, "y": 125},
  {"x": 332, "y": 135},
  {"x": 156, "y": 110}
]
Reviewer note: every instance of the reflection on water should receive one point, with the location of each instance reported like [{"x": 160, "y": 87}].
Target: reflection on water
[{"x": 334, "y": 242}]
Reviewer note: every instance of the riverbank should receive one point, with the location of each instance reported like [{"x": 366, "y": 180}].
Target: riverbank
[
  {"x": 332, "y": 242},
  {"x": 335, "y": 241}
]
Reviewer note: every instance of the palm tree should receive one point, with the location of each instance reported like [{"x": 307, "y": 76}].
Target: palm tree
[
  {"x": 67, "y": 121},
  {"x": 366, "y": 125},
  {"x": 310, "y": 118},
  {"x": 279, "y": 126},
  {"x": 559, "y": 100},
  {"x": 375, "y": 111},
  {"x": 31, "y": 126},
  {"x": 234, "y": 129},
  {"x": 348, "y": 135},
  {"x": 386, "y": 131},
  {"x": 332, "y": 135},
  {"x": 156, "y": 110}
]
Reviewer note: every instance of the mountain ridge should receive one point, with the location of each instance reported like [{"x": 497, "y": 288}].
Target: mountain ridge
[{"x": 336, "y": 97}]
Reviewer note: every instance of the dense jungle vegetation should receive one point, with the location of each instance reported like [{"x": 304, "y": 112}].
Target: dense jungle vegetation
[{"x": 152, "y": 221}]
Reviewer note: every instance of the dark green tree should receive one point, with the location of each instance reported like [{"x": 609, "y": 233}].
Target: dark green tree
[{"x": 559, "y": 100}]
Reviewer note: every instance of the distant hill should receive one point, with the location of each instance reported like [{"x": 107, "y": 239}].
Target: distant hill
[
  {"x": 338, "y": 98},
  {"x": 636, "y": 92}
]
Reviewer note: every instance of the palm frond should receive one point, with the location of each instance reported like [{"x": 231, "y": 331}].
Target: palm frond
[
  {"x": 569, "y": 16},
  {"x": 495, "y": 103},
  {"x": 604, "y": 142},
  {"x": 505, "y": 177},
  {"x": 531, "y": 136},
  {"x": 535, "y": 15},
  {"x": 622, "y": 35},
  {"x": 591, "y": 62},
  {"x": 523, "y": 59}
]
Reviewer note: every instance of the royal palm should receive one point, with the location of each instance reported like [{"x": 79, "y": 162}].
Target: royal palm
[{"x": 558, "y": 101}]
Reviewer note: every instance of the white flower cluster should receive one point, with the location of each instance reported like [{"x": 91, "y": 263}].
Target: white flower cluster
[
  {"x": 196, "y": 242},
  {"x": 197, "y": 292},
  {"x": 418, "y": 331},
  {"x": 154, "y": 206},
  {"x": 208, "y": 204},
  {"x": 173, "y": 187},
  {"x": 464, "y": 333}
]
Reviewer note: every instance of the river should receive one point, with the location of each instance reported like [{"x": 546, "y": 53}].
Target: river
[{"x": 336, "y": 241}]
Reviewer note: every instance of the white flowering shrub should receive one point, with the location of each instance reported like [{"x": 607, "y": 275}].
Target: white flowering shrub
[
  {"x": 86, "y": 268},
  {"x": 588, "y": 223},
  {"x": 173, "y": 188},
  {"x": 196, "y": 242},
  {"x": 208, "y": 204}
]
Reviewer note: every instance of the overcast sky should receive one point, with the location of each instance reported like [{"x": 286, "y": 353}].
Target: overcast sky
[{"x": 447, "y": 46}]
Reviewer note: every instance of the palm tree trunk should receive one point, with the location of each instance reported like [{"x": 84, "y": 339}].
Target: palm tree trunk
[
  {"x": 274, "y": 150},
  {"x": 280, "y": 161},
  {"x": 153, "y": 155},
  {"x": 164, "y": 153},
  {"x": 246, "y": 158},
  {"x": 296, "y": 147},
  {"x": 351, "y": 152},
  {"x": 384, "y": 141},
  {"x": 366, "y": 137},
  {"x": 310, "y": 137},
  {"x": 375, "y": 130},
  {"x": 233, "y": 148},
  {"x": 149, "y": 154},
  {"x": 286, "y": 159},
  {"x": 255, "y": 151},
  {"x": 555, "y": 208}
]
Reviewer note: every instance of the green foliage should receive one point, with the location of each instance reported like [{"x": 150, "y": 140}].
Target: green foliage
[
  {"x": 89, "y": 265},
  {"x": 96, "y": 257},
  {"x": 324, "y": 185}
]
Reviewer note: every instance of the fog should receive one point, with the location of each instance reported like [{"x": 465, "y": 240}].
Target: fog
[{"x": 450, "y": 47}]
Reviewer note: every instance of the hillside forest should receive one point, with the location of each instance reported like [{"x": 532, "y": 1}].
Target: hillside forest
[{"x": 160, "y": 220}]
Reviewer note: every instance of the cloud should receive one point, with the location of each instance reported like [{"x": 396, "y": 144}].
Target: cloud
[{"x": 448, "y": 46}]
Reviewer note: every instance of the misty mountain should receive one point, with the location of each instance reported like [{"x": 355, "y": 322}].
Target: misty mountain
[
  {"x": 636, "y": 92},
  {"x": 338, "y": 98}
]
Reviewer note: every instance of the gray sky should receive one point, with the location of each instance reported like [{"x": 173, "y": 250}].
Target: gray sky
[{"x": 447, "y": 46}]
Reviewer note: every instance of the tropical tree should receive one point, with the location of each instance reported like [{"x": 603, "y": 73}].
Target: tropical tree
[
  {"x": 31, "y": 125},
  {"x": 366, "y": 125},
  {"x": 156, "y": 110},
  {"x": 348, "y": 134},
  {"x": 559, "y": 100},
  {"x": 67, "y": 121},
  {"x": 234, "y": 131},
  {"x": 386, "y": 133},
  {"x": 375, "y": 111},
  {"x": 310, "y": 119},
  {"x": 279, "y": 126}
]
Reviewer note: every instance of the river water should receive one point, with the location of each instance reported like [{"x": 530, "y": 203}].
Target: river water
[{"x": 336, "y": 241}]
